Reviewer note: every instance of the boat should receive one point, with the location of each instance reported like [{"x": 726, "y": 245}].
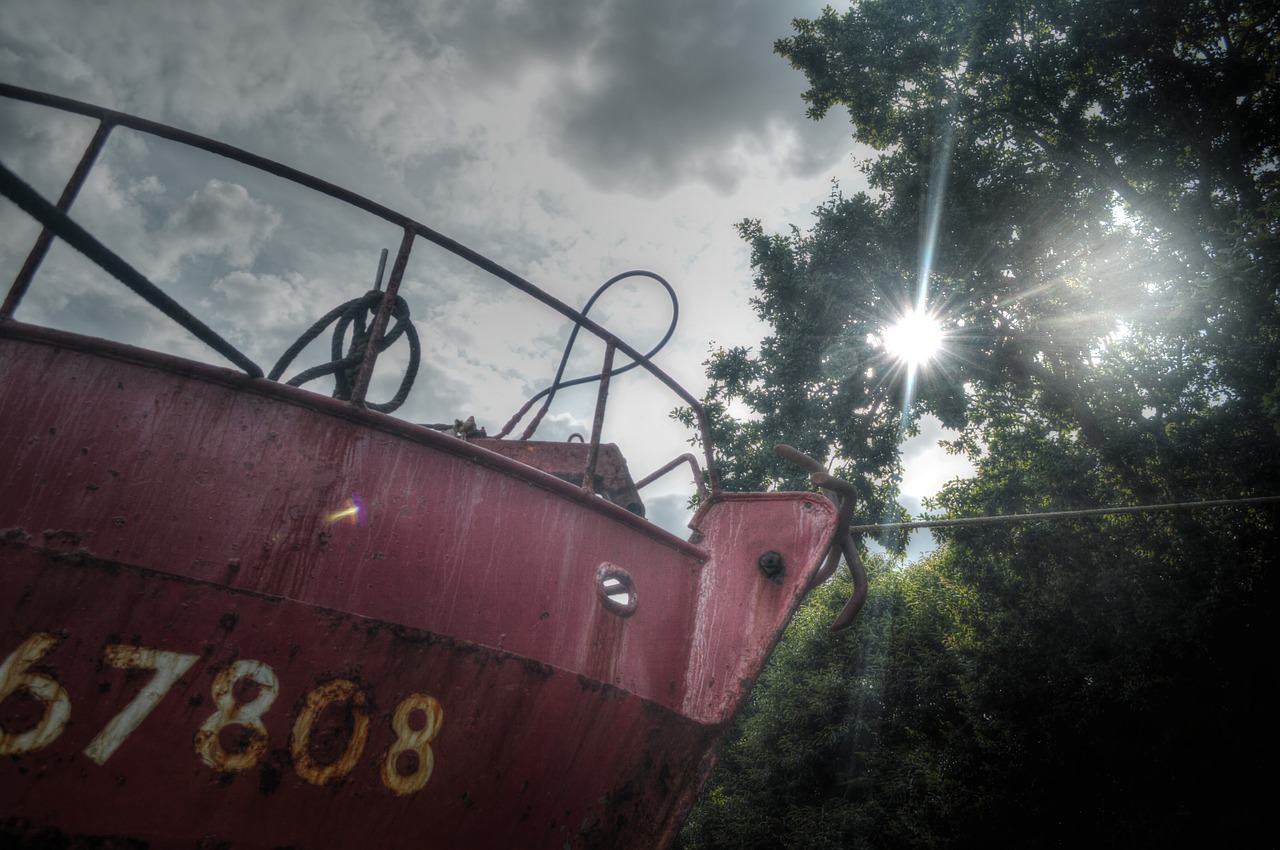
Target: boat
[{"x": 237, "y": 613}]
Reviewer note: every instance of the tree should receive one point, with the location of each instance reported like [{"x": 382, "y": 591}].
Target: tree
[
  {"x": 1091, "y": 195},
  {"x": 1091, "y": 173},
  {"x": 833, "y": 749},
  {"x": 815, "y": 384}
]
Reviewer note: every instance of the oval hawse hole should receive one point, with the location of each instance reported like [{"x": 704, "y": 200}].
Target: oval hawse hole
[{"x": 616, "y": 589}]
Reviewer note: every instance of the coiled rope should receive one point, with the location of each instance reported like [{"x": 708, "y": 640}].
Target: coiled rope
[{"x": 344, "y": 368}]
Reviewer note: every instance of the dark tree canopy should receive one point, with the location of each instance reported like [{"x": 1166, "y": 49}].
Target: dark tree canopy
[
  {"x": 1092, "y": 192},
  {"x": 1103, "y": 179}
]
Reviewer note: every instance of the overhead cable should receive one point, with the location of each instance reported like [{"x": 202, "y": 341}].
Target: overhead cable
[{"x": 1055, "y": 515}]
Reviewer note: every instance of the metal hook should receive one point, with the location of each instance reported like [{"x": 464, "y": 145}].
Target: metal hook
[{"x": 842, "y": 542}]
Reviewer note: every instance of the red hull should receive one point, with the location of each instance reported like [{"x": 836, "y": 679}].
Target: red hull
[{"x": 167, "y": 515}]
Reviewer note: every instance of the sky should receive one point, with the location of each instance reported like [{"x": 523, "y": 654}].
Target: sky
[{"x": 568, "y": 141}]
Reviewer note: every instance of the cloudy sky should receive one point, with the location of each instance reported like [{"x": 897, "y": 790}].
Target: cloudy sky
[{"x": 566, "y": 140}]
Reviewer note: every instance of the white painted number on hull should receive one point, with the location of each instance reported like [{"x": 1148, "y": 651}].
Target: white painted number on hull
[
  {"x": 232, "y": 713},
  {"x": 169, "y": 667},
  {"x": 243, "y": 692},
  {"x": 16, "y": 674},
  {"x": 415, "y": 743},
  {"x": 335, "y": 692}
]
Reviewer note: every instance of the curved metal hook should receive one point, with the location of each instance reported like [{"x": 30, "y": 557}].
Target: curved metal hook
[{"x": 842, "y": 542}]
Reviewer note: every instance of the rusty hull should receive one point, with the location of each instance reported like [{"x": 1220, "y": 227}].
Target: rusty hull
[
  {"x": 204, "y": 645},
  {"x": 567, "y": 460},
  {"x": 527, "y": 755}
]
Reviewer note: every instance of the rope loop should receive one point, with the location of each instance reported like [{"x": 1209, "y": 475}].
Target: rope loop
[
  {"x": 355, "y": 314},
  {"x": 558, "y": 383}
]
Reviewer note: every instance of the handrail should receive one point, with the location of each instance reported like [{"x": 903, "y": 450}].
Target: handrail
[
  {"x": 109, "y": 119},
  {"x": 53, "y": 219},
  {"x": 688, "y": 458}
]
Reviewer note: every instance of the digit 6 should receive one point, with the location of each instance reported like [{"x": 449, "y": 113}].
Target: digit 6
[{"x": 15, "y": 675}]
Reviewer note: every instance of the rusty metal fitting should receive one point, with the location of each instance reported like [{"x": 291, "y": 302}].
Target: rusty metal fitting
[{"x": 842, "y": 542}]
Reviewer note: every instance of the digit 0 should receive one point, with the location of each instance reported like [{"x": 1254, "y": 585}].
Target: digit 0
[
  {"x": 248, "y": 716},
  {"x": 408, "y": 764},
  {"x": 15, "y": 675},
  {"x": 336, "y": 692}
]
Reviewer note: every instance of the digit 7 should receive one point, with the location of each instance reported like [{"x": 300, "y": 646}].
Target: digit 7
[{"x": 169, "y": 667}]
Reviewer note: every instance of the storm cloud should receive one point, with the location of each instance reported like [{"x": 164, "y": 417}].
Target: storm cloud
[{"x": 567, "y": 140}]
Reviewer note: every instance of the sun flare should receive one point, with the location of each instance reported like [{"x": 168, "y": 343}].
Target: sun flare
[
  {"x": 914, "y": 339},
  {"x": 352, "y": 511}
]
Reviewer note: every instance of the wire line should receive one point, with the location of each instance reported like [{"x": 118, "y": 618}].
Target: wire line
[{"x": 1052, "y": 515}]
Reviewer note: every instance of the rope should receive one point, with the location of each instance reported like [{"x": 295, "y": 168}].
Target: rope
[
  {"x": 1055, "y": 515},
  {"x": 842, "y": 542},
  {"x": 345, "y": 368},
  {"x": 557, "y": 384}
]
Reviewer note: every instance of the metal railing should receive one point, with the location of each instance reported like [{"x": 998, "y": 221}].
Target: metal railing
[{"x": 55, "y": 221}]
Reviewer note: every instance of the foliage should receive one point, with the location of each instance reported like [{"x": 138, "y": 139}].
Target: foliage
[
  {"x": 1092, "y": 195},
  {"x": 824, "y": 717},
  {"x": 1049, "y": 700},
  {"x": 814, "y": 383},
  {"x": 1093, "y": 173}
]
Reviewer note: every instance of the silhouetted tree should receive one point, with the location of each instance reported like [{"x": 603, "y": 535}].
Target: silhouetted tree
[{"x": 1092, "y": 193}]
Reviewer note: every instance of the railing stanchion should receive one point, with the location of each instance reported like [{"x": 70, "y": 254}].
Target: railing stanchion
[
  {"x": 28, "y": 271},
  {"x": 593, "y": 454},
  {"x": 382, "y": 318}
]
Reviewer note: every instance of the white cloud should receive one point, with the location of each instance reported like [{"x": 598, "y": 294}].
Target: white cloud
[
  {"x": 264, "y": 307},
  {"x": 670, "y": 92},
  {"x": 928, "y": 465},
  {"x": 220, "y": 220}
]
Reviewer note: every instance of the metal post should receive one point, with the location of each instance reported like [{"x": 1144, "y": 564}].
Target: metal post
[
  {"x": 382, "y": 266},
  {"x": 589, "y": 476},
  {"x": 381, "y": 319},
  {"x": 708, "y": 450},
  {"x": 28, "y": 271}
]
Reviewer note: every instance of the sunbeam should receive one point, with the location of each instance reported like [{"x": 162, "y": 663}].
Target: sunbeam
[{"x": 917, "y": 335}]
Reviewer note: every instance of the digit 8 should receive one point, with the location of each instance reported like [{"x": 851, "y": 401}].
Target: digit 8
[
  {"x": 411, "y": 741},
  {"x": 232, "y": 713}
]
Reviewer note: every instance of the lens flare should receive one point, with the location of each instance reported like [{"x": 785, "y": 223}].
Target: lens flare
[
  {"x": 352, "y": 510},
  {"x": 914, "y": 339}
]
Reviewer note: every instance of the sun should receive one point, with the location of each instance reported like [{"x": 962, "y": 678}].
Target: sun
[{"x": 914, "y": 339}]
